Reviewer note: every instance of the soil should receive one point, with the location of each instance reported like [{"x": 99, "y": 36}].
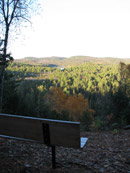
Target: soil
[{"x": 104, "y": 152}]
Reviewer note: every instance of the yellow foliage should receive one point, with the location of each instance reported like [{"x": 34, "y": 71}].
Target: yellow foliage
[{"x": 40, "y": 88}]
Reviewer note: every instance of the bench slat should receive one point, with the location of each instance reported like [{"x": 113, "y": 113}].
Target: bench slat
[{"x": 62, "y": 133}]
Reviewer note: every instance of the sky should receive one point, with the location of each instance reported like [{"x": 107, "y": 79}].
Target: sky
[{"x": 65, "y": 28}]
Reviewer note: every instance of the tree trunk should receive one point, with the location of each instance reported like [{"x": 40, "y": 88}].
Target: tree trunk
[
  {"x": 2, "y": 75},
  {"x": 1, "y": 86}
]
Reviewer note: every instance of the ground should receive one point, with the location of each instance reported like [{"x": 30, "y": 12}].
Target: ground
[{"x": 104, "y": 152}]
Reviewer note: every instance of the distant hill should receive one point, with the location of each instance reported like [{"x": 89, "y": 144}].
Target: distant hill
[{"x": 74, "y": 60}]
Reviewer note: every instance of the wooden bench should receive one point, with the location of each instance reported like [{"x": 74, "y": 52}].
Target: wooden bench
[{"x": 46, "y": 131}]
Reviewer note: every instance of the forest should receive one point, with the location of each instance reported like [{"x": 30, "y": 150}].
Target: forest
[{"x": 96, "y": 94}]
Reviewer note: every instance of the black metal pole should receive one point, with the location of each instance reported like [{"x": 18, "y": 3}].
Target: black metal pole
[{"x": 53, "y": 157}]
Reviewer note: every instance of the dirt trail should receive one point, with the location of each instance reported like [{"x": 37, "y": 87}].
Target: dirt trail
[{"x": 104, "y": 152}]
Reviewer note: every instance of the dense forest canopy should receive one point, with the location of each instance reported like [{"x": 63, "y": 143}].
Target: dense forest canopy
[{"x": 97, "y": 94}]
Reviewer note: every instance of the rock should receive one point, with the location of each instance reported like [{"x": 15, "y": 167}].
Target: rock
[
  {"x": 127, "y": 127},
  {"x": 27, "y": 165}
]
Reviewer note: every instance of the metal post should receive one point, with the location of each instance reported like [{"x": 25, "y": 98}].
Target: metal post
[{"x": 53, "y": 157}]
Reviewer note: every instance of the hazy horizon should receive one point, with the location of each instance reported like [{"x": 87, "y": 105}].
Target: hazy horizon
[{"x": 69, "y": 57}]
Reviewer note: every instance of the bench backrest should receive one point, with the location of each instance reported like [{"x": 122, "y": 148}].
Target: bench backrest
[{"x": 47, "y": 131}]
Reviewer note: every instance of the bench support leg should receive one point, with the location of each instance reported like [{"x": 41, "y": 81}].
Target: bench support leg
[{"x": 53, "y": 157}]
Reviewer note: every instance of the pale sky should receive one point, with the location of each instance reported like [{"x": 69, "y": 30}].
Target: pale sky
[{"x": 65, "y": 28}]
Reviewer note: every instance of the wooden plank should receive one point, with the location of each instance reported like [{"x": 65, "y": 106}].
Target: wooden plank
[
  {"x": 62, "y": 133},
  {"x": 66, "y": 135},
  {"x": 26, "y": 128}
]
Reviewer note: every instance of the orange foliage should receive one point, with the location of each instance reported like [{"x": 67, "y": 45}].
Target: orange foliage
[
  {"x": 76, "y": 105},
  {"x": 57, "y": 98}
]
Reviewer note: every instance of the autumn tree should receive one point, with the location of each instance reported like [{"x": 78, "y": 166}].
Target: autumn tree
[
  {"x": 73, "y": 104},
  {"x": 12, "y": 13},
  {"x": 76, "y": 106},
  {"x": 57, "y": 99}
]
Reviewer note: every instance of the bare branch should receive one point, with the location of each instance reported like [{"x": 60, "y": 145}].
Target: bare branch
[
  {"x": 13, "y": 12},
  {"x": 22, "y": 17},
  {"x": 11, "y": 2},
  {"x": 3, "y": 10},
  {"x": 2, "y": 21}
]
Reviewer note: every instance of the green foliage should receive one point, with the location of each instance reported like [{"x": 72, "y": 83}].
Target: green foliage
[
  {"x": 98, "y": 124},
  {"x": 10, "y": 97},
  {"x": 121, "y": 107},
  {"x": 87, "y": 120},
  {"x": 115, "y": 131},
  {"x": 52, "y": 93}
]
